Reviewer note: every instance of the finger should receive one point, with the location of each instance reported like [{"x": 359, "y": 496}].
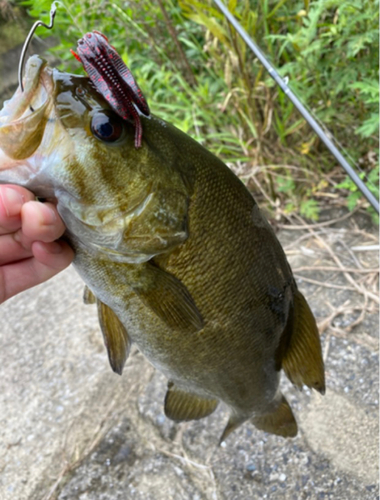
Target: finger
[
  {"x": 41, "y": 222},
  {"x": 54, "y": 255},
  {"x": 12, "y": 199},
  {"x": 19, "y": 276},
  {"x": 12, "y": 249}
]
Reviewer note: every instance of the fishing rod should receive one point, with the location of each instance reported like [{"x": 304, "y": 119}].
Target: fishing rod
[{"x": 301, "y": 108}]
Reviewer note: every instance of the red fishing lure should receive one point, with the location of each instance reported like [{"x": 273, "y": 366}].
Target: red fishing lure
[{"x": 112, "y": 79}]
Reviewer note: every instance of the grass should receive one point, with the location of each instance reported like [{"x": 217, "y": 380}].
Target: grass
[{"x": 197, "y": 73}]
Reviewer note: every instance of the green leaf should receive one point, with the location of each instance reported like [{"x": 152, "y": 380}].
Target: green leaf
[
  {"x": 310, "y": 209},
  {"x": 369, "y": 127}
]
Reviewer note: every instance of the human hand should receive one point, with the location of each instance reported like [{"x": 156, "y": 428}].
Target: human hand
[{"x": 29, "y": 252}]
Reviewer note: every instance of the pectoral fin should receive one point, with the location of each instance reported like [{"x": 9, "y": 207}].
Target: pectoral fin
[
  {"x": 280, "y": 422},
  {"x": 169, "y": 298},
  {"x": 182, "y": 406},
  {"x": 88, "y": 296},
  {"x": 302, "y": 360},
  {"x": 115, "y": 337}
]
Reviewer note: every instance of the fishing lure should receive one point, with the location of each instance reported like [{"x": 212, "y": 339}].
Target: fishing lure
[{"x": 112, "y": 79}]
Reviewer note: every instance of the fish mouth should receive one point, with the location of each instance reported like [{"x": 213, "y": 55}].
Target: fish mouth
[{"x": 23, "y": 118}]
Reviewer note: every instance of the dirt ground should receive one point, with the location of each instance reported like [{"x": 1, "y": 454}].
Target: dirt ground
[{"x": 72, "y": 429}]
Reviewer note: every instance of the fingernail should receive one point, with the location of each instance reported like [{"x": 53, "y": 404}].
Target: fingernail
[
  {"x": 50, "y": 217},
  {"x": 12, "y": 201}
]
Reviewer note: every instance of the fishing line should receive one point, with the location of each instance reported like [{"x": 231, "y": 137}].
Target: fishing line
[
  {"x": 53, "y": 10},
  {"x": 282, "y": 83}
]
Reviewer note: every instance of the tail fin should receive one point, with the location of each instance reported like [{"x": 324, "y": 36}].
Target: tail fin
[
  {"x": 233, "y": 423},
  {"x": 280, "y": 422}
]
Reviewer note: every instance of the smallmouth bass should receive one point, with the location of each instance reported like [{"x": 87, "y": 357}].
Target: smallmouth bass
[{"x": 172, "y": 247}]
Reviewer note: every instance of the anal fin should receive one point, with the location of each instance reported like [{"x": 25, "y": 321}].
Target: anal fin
[
  {"x": 182, "y": 406},
  {"x": 115, "y": 337},
  {"x": 280, "y": 422},
  {"x": 302, "y": 360}
]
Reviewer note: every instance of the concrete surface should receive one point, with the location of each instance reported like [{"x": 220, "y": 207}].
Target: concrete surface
[{"x": 71, "y": 429}]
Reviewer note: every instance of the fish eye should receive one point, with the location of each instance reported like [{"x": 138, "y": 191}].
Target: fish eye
[{"x": 107, "y": 127}]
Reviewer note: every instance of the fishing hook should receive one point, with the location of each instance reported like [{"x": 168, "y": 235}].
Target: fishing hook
[{"x": 53, "y": 11}]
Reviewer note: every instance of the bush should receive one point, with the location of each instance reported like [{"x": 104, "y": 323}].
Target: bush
[{"x": 197, "y": 73}]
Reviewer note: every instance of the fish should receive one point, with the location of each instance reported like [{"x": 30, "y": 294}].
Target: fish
[{"x": 172, "y": 247}]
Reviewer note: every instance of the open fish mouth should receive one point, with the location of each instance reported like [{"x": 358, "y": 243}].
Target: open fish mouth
[
  {"x": 23, "y": 117},
  {"x": 38, "y": 82}
]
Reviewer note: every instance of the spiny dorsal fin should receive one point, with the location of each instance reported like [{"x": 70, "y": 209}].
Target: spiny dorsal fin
[
  {"x": 280, "y": 422},
  {"x": 182, "y": 406},
  {"x": 302, "y": 361},
  {"x": 169, "y": 298},
  {"x": 115, "y": 337},
  {"x": 88, "y": 296}
]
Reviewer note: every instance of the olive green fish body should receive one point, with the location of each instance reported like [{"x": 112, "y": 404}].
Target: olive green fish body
[
  {"x": 173, "y": 249},
  {"x": 237, "y": 274}
]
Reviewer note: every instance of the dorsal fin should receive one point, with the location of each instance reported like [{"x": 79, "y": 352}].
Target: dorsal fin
[
  {"x": 302, "y": 360},
  {"x": 182, "y": 406},
  {"x": 115, "y": 337}
]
